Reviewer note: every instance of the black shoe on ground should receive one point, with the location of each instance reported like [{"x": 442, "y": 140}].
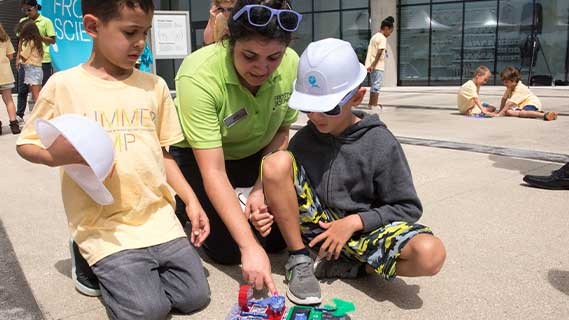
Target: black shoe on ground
[
  {"x": 15, "y": 127},
  {"x": 83, "y": 277},
  {"x": 558, "y": 180}
]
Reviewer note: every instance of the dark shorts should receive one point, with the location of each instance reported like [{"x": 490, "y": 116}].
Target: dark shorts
[
  {"x": 529, "y": 107},
  {"x": 379, "y": 248}
]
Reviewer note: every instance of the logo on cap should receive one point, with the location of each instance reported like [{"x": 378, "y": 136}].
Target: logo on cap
[{"x": 313, "y": 82}]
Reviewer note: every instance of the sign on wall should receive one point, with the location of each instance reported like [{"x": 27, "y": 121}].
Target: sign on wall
[
  {"x": 171, "y": 34},
  {"x": 73, "y": 45}
]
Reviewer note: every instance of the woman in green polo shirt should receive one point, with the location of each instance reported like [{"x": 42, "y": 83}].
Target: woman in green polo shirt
[{"x": 232, "y": 100}]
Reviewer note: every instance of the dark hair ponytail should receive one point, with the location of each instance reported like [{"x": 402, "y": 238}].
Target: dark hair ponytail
[
  {"x": 387, "y": 23},
  {"x": 33, "y": 3},
  {"x": 242, "y": 29}
]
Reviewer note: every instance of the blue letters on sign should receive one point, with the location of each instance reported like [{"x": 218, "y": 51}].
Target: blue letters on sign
[{"x": 73, "y": 45}]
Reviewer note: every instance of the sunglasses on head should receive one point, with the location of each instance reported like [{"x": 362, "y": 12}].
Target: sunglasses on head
[
  {"x": 259, "y": 15},
  {"x": 338, "y": 108},
  {"x": 25, "y": 10}
]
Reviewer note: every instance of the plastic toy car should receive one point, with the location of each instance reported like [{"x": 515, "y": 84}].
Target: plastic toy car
[
  {"x": 271, "y": 308},
  {"x": 337, "y": 312}
]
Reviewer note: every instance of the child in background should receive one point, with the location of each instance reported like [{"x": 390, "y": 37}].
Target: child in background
[
  {"x": 348, "y": 178},
  {"x": 468, "y": 99},
  {"x": 7, "y": 79},
  {"x": 518, "y": 100},
  {"x": 136, "y": 246},
  {"x": 31, "y": 56},
  {"x": 375, "y": 59},
  {"x": 216, "y": 27}
]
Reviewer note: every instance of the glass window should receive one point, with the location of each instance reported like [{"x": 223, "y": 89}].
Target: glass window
[
  {"x": 351, "y": 4},
  {"x": 199, "y": 11},
  {"x": 321, "y": 5},
  {"x": 414, "y": 1},
  {"x": 479, "y": 37},
  {"x": 512, "y": 36},
  {"x": 326, "y": 25},
  {"x": 302, "y": 5},
  {"x": 446, "y": 38},
  {"x": 414, "y": 45},
  {"x": 553, "y": 39},
  {"x": 355, "y": 29},
  {"x": 303, "y": 36}
]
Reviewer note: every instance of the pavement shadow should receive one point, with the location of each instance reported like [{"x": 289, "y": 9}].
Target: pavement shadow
[
  {"x": 64, "y": 267},
  {"x": 559, "y": 279},
  {"x": 523, "y": 166},
  {"x": 398, "y": 292}
]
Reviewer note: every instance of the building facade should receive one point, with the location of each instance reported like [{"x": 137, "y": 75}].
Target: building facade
[{"x": 435, "y": 43}]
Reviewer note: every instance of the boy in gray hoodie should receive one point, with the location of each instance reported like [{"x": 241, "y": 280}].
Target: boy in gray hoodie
[{"x": 348, "y": 178}]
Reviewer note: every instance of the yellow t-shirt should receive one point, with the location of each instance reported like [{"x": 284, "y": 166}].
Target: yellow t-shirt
[
  {"x": 464, "y": 100},
  {"x": 33, "y": 56},
  {"x": 6, "y": 75},
  {"x": 140, "y": 117},
  {"x": 522, "y": 96},
  {"x": 376, "y": 43}
]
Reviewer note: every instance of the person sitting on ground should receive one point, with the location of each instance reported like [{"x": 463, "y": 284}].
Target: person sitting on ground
[
  {"x": 558, "y": 180},
  {"x": 468, "y": 98},
  {"x": 348, "y": 178},
  {"x": 216, "y": 27},
  {"x": 518, "y": 100},
  {"x": 136, "y": 247}
]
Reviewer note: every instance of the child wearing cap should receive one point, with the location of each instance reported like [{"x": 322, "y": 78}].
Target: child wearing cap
[
  {"x": 468, "y": 99},
  {"x": 135, "y": 246},
  {"x": 348, "y": 178}
]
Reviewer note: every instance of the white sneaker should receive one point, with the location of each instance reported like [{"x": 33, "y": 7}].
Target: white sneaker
[{"x": 20, "y": 119}]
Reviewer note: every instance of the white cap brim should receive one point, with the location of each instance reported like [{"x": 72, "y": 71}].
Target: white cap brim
[
  {"x": 322, "y": 103},
  {"x": 83, "y": 175}
]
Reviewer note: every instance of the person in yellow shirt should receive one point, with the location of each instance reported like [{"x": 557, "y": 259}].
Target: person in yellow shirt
[
  {"x": 135, "y": 246},
  {"x": 375, "y": 59},
  {"x": 518, "y": 100},
  {"x": 216, "y": 27},
  {"x": 31, "y": 55},
  {"x": 7, "y": 79},
  {"x": 468, "y": 99}
]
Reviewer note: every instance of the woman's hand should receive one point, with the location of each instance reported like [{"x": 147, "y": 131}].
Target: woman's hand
[
  {"x": 336, "y": 235},
  {"x": 257, "y": 268}
]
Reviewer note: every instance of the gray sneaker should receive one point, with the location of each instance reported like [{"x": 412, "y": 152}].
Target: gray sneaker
[
  {"x": 303, "y": 287},
  {"x": 341, "y": 268}
]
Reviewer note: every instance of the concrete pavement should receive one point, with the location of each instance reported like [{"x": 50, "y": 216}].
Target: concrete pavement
[{"x": 506, "y": 242}]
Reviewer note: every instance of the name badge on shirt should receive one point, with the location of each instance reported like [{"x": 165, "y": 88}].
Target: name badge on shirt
[{"x": 232, "y": 119}]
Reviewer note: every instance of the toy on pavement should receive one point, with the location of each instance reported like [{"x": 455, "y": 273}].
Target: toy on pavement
[
  {"x": 271, "y": 308},
  {"x": 337, "y": 312}
]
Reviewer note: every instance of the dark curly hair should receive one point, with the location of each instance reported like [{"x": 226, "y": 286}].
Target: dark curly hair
[
  {"x": 242, "y": 29},
  {"x": 387, "y": 23},
  {"x": 107, "y": 10}
]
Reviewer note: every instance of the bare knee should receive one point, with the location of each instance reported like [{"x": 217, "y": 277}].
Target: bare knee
[
  {"x": 430, "y": 254},
  {"x": 277, "y": 167},
  {"x": 512, "y": 113}
]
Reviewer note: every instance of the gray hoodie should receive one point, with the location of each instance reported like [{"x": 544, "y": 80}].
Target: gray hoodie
[{"x": 363, "y": 171}]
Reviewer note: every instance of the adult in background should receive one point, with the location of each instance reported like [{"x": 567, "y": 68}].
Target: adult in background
[
  {"x": 375, "y": 59},
  {"x": 216, "y": 27},
  {"x": 31, "y": 9},
  {"x": 232, "y": 100}
]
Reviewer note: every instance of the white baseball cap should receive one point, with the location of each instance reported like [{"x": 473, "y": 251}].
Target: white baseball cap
[
  {"x": 93, "y": 144},
  {"x": 328, "y": 70}
]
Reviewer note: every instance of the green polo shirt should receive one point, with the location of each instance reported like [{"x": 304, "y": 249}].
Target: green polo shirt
[
  {"x": 215, "y": 110},
  {"x": 45, "y": 26}
]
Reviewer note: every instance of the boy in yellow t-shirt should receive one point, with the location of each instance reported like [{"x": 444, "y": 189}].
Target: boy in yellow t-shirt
[
  {"x": 468, "y": 99},
  {"x": 518, "y": 100},
  {"x": 136, "y": 246},
  {"x": 375, "y": 59}
]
